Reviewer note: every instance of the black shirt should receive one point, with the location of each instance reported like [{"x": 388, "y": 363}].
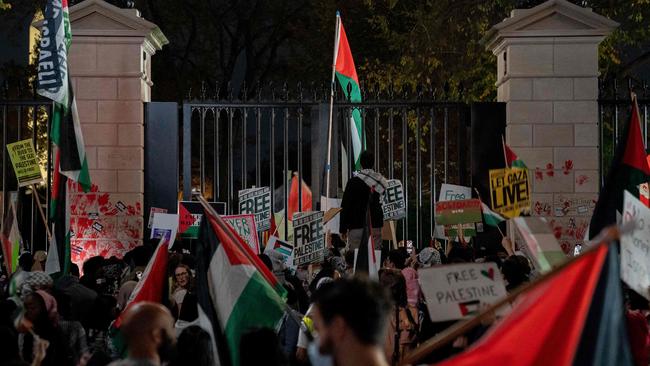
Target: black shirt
[{"x": 355, "y": 204}]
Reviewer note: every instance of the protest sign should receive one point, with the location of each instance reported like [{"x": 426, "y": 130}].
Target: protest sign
[
  {"x": 510, "y": 191},
  {"x": 457, "y": 291},
  {"x": 164, "y": 225},
  {"x": 332, "y": 223},
  {"x": 539, "y": 243},
  {"x": 644, "y": 193},
  {"x": 452, "y": 192},
  {"x": 451, "y": 231},
  {"x": 283, "y": 252},
  {"x": 309, "y": 238},
  {"x": 393, "y": 204},
  {"x": 244, "y": 225},
  {"x": 635, "y": 246},
  {"x": 257, "y": 201},
  {"x": 458, "y": 212},
  {"x": 190, "y": 214},
  {"x": 23, "y": 158},
  {"x": 153, "y": 211}
]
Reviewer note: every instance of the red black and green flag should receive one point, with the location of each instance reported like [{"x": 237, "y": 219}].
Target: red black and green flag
[
  {"x": 628, "y": 170},
  {"x": 235, "y": 289},
  {"x": 69, "y": 151},
  {"x": 576, "y": 318}
]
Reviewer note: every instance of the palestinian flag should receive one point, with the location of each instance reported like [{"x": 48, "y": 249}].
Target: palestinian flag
[
  {"x": 346, "y": 74},
  {"x": 11, "y": 240},
  {"x": 234, "y": 288},
  {"x": 512, "y": 160},
  {"x": 490, "y": 217},
  {"x": 628, "y": 170},
  {"x": 69, "y": 152},
  {"x": 576, "y": 317},
  {"x": 152, "y": 287}
]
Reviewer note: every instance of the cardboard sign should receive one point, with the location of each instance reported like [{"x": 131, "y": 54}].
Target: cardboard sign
[
  {"x": 257, "y": 201},
  {"x": 23, "y": 158},
  {"x": 309, "y": 237},
  {"x": 153, "y": 211},
  {"x": 510, "y": 191},
  {"x": 458, "y": 212},
  {"x": 333, "y": 223},
  {"x": 164, "y": 225},
  {"x": 394, "y": 205},
  {"x": 244, "y": 225},
  {"x": 644, "y": 194},
  {"x": 283, "y": 251},
  {"x": 457, "y": 291},
  {"x": 635, "y": 246},
  {"x": 451, "y": 231},
  {"x": 539, "y": 243},
  {"x": 190, "y": 214},
  {"x": 452, "y": 192}
]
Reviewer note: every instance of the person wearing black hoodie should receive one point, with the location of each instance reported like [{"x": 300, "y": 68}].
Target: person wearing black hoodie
[{"x": 363, "y": 193}]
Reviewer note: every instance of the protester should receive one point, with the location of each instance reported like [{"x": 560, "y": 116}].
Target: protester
[
  {"x": 41, "y": 311},
  {"x": 261, "y": 347},
  {"x": 182, "y": 284},
  {"x": 402, "y": 333},
  {"x": 350, "y": 320},
  {"x": 148, "y": 329},
  {"x": 81, "y": 297},
  {"x": 194, "y": 347},
  {"x": 363, "y": 193}
]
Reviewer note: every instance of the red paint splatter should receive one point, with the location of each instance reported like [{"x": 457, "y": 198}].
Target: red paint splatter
[
  {"x": 539, "y": 174},
  {"x": 568, "y": 166},
  {"x": 582, "y": 179},
  {"x": 549, "y": 170}
]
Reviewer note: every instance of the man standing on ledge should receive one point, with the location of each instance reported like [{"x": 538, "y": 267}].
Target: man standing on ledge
[{"x": 362, "y": 196}]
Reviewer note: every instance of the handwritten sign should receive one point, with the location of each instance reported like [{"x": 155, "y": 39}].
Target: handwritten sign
[
  {"x": 457, "y": 291},
  {"x": 23, "y": 158},
  {"x": 257, "y": 201},
  {"x": 452, "y": 192},
  {"x": 244, "y": 225},
  {"x": 635, "y": 246},
  {"x": 458, "y": 212},
  {"x": 510, "y": 191},
  {"x": 309, "y": 238},
  {"x": 190, "y": 214},
  {"x": 394, "y": 206}
]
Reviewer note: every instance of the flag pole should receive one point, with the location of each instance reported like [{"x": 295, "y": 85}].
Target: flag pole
[
  {"x": 479, "y": 198},
  {"x": 328, "y": 167},
  {"x": 505, "y": 156},
  {"x": 463, "y": 327},
  {"x": 40, "y": 209}
]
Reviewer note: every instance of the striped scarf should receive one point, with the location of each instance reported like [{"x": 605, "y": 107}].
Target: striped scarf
[{"x": 373, "y": 180}]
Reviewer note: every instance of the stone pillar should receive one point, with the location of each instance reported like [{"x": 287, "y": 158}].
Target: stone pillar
[
  {"x": 547, "y": 73},
  {"x": 110, "y": 65}
]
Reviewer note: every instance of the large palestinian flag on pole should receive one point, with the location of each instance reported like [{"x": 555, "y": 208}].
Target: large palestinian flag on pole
[
  {"x": 346, "y": 74},
  {"x": 628, "y": 170},
  {"x": 234, "y": 288},
  {"x": 575, "y": 318},
  {"x": 69, "y": 152}
]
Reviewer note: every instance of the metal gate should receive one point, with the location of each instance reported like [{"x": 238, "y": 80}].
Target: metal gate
[
  {"x": 262, "y": 139},
  {"x": 26, "y": 119}
]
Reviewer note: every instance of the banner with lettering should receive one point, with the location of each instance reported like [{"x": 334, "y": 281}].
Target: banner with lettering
[
  {"x": 510, "y": 191},
  {"x": 394, "y": 205},
  {"x": 190, "y": 214},
  {"x": 458, "y": 212},
  {"x": 257, "y": 201},
  {"x": 457, "y": 291},
  {"x": 23, "y": 158},
  {"x": 309, "y": 237},
  {"x": 635, "y": 246},
  {"x": 244, "y": 225}
]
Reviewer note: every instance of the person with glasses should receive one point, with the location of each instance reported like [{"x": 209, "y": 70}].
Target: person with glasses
[{"x": 182, "y": 285}]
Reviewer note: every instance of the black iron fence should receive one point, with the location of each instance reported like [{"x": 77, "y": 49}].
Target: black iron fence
[
  {"x": 614, "y": 106},
  {"x": 22, "y": 119},
  {"x": 263, "y": 138}
]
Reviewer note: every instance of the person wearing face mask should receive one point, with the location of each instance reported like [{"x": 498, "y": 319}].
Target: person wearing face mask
[
  {"x": 350, "y": 318},
  {"x": 148, "y": 329}
]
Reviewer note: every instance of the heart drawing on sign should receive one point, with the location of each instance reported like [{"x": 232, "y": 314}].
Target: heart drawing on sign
[{"x": 489, "y": 273}]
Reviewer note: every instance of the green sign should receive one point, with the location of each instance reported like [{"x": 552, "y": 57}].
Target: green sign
[{"x": 23, "y": 158}]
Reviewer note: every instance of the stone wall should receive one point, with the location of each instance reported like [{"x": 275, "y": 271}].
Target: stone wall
[{"x": 547, "y": 64}]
